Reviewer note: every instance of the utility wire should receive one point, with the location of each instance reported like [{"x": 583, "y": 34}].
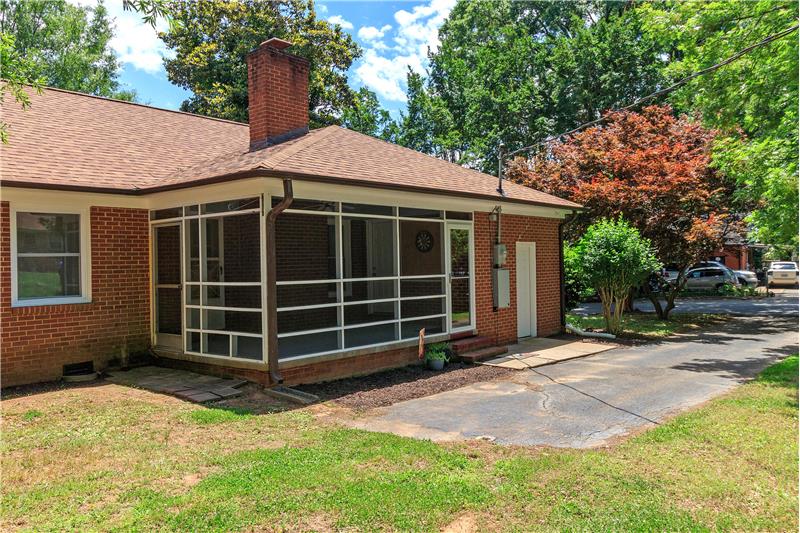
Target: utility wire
[{"x": 667, "y": 90}]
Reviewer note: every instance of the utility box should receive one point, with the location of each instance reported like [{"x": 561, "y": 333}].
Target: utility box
[
  {"x": 501, "y": 288},
  {"x": 499, "y": 255}
]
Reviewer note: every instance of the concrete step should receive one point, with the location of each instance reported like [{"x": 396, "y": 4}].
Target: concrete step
[
  {"x": 482, "y": 354},
  {"x": 469, "y": 344},
  {"x": 461, "y": 335}
]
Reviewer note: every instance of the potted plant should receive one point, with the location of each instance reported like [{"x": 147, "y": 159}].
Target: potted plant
[{"x": 436, "y": 355}]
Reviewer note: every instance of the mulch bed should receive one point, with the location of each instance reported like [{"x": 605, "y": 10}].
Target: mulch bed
[{"x": 392, "y": 386}]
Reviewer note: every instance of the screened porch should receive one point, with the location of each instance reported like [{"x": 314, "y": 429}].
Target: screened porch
[{"x": 349, "y": 276}]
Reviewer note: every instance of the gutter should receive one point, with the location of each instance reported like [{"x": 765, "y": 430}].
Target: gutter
[
  {"x": 569, "y": 219},
  {"x": 272, "y": 294},
  {"x": 268, "y": 173}
]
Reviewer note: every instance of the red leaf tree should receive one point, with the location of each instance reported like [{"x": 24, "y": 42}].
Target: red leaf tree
[{"x": 654, "y": 169}]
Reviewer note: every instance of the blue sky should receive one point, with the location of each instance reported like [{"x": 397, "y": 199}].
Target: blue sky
[{"x": 394, "y": 35}]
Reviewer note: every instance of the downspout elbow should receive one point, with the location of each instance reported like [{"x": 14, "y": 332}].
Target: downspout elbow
[{"x": 272, "y": 296}]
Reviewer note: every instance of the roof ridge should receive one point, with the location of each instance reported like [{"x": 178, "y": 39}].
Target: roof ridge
[
  {"x": 118, "y": 101},
  {"x": 301, "y": 144}
]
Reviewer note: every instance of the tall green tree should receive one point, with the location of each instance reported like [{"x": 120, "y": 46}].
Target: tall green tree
[
  {"x": 211, "y": 40},
  {"x": 754, "y": 100},
  {"x": 517, "y": 72},
  {"x": 367, "y": 116},
  {"x": 17, "y": 76},
  {"x": 64, "y": 45},
  {"x": 427, "y": 125}
]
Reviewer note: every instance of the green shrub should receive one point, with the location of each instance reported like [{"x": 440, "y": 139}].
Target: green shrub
[
  {"x": 437, "y": 352},
  {"x": 575, "y": 285},
  {"x": 614, "y": 258}
]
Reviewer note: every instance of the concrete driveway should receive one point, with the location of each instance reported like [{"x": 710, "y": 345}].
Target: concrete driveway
[
  {"x": 784, "y": 302},
  {"x": 586, "y": 402}
]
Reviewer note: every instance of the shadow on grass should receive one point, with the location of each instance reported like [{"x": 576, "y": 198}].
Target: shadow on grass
[{"x": 18, "y": 391}]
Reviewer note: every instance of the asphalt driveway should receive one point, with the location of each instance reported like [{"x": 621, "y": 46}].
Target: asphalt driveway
[
  {"x": 588, "y": 402},
  {"x": 785, "y": 302}
]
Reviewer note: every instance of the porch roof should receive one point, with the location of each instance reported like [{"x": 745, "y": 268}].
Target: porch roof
[{"x": 68, "y": 140}]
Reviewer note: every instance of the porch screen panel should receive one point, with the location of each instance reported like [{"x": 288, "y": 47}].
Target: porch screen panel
[
  {"x": 307, "y": 251},
  {"x": 357, "y": 275},
  {"x": 422, "y": 271},
  {"x": 223, "y": 285}
]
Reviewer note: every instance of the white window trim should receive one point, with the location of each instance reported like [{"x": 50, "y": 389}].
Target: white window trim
[{"x": 85, "y": 223}]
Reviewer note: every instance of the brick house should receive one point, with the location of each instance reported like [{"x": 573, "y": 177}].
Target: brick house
[{"x": 265, "y": 251}]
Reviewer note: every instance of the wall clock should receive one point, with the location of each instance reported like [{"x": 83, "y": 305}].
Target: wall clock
[{"x": 424, "y": 241}]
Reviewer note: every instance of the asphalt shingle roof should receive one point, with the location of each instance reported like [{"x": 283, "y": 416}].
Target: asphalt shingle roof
[{"x": 70, "y": 140}]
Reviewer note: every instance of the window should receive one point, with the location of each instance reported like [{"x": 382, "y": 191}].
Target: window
[
  {"x": 356, "y": 275},
  {"x": 48, "y": 257}
]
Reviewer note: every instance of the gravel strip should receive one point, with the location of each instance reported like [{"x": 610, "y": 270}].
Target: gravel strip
[{"x": 392, "y": 386}]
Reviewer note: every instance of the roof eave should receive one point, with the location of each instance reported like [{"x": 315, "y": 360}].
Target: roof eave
[{"x": 269, "y": 173}]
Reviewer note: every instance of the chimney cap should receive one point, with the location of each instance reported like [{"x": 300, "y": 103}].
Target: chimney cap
[{"x": 275, "y": 42}]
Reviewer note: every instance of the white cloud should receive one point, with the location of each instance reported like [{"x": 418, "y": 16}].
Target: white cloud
[
  {"x": 135, "y": 42},
  {"x": 322, "y": 8},
  {"x": 371, "y": 33},
  {"x": 386, "y": 76},
  {"x": 341, "y": 21},
  {"x": 384, "y": 68}
]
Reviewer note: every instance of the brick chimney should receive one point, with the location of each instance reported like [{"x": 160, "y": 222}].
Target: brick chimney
[{"x": 277, "y": 90}]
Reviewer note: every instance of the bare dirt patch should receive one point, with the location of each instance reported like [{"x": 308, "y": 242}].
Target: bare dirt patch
[
  {"x": 463, "y": 524},
  {"x": 254, "y": 400},
  {"x": 393, "y": 386}
]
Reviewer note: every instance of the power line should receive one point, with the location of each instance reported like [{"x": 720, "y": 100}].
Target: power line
[{"x": 667, "y": 90}]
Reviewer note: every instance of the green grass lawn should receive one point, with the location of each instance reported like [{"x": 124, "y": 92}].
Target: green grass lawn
[
  {"x": 109, "y": 457},
  {"x": 648, "y": 325}
]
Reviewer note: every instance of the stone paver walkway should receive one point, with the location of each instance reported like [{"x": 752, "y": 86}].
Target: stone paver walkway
[
  {"x": 181, "y": 383},
  {"x": 532, "y": 353}
]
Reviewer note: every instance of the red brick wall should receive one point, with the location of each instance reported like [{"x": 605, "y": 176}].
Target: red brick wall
[
  {"x": 733, "y": 256},
  {"x": 312, "y": 372},
  {"x": 35, "y": 342},
  {"x": 277, "y": 93},
  {"x": 502, "y": 324},
  {"x": 38, "y": 341}
]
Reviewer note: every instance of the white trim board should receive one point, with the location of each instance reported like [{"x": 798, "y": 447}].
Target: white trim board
[{"x": 273, "y": 186}]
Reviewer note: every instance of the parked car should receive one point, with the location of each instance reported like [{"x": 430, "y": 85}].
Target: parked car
[
  {"x": 670, "y": 272},
  {"x": 710, "y": 264},
  {"x": 746, "y": 278},
  {"x": 783, "y": 273},
  {"x": 709, "y": 278}
]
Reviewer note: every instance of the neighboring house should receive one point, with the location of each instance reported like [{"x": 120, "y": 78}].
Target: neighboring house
[
  {"x": 125, "y": 228},
  {"x": 738, "y": 254}
]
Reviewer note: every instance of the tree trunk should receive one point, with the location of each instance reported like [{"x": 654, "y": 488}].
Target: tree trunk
[
  {"x": 653, "y": 297},
  {"x": 670, "y": 305},
  {"x": 616, "y": 323},
  {"x": 607, "y": 302},
  {"x": 629, "y": 300}
]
